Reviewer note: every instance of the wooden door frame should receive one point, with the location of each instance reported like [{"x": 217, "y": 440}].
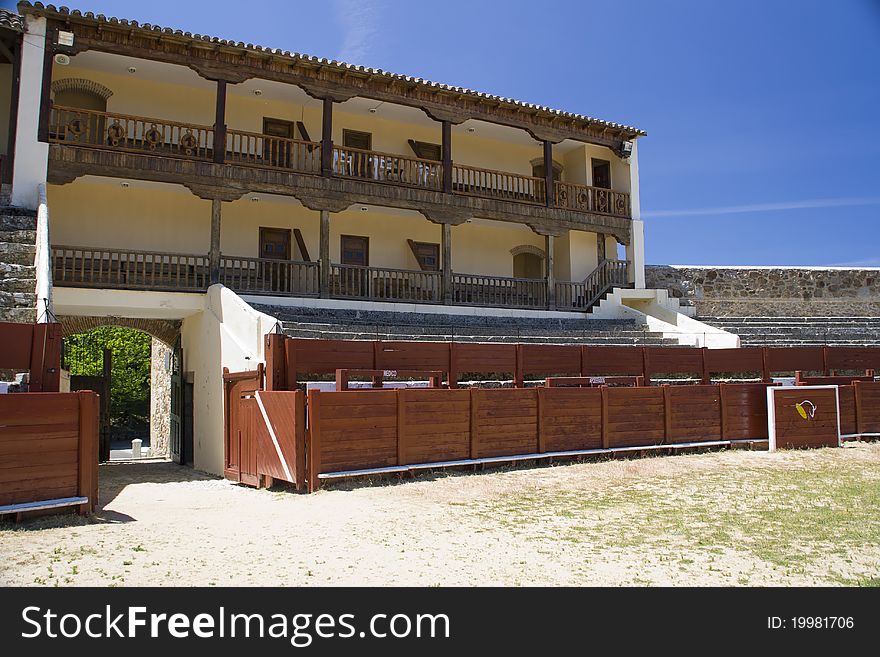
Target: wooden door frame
[
  {"x": 366, "y": 240},
  {"x": 287, "y": 231}
]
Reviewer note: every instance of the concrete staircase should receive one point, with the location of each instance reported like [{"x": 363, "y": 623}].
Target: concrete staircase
[
  {"x": 301, "y": 322},
  {"x": 793, "y": 331},
  {"x": 17, "y": 273}
]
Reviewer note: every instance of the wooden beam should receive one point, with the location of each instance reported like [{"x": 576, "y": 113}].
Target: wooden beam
[
  {"x": 301, "y": 243},
  {"x": 46, "y": 98},
  {"x": 13, "y": 116},
  {"x": 549, "y": 275},
  {"x": 548, "y": 173},
  {"x": 220, "y": 123},
  {"x": 214, "y": 252},
  {"x": 446, "y": 155},
  {"x": 446, "y": 262},
  {"x": 324, "y": 253},
  {"x": 327, "y": 138}
]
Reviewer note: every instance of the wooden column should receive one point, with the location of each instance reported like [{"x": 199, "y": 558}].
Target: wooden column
[
  {"x": 220, "y": 123},
  {"x": 327, "y": 138},
  {"x": 600, "y": 248},
  {"x": 214, "y": 251},
  {"x": 46, "y": 98},
  {"x": 446, "y": 262},
  {"x": 548, "y": 271},
  {"x": 324, "y": 253},
  {"x": 446, "y": 148},
  {"x": 548, "y": 173}
]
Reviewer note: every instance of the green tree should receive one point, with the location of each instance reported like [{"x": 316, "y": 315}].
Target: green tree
[{"x": 129, "y": 374}]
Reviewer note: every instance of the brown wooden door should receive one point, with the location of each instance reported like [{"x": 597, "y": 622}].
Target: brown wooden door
[
  {"x": 275, "y": 243},
  {"x": 602, "y": 174},
  {"x": 277, "y": 151},
  {"x": 355, "y": 250}
]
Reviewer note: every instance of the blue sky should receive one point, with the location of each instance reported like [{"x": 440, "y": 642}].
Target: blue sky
[{"x": 763, "y": 145}]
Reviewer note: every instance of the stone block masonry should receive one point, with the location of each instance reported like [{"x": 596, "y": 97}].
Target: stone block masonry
[{"x": 771, "y": 291}]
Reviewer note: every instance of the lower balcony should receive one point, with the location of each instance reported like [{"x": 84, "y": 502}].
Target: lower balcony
[{"x": 105, "y": 268}]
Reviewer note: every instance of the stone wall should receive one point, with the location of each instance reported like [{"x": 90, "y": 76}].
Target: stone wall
[
  {"x": 770, "y": 291},
  {"x": 160, "y": 398}
]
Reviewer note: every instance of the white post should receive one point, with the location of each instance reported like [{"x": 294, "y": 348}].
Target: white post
[
  {"x": 43, "y": 261},
  {"x": 136, "y": 448},
  {"x": 635, "y": 251},
  {"x": 31, "y": 155}
]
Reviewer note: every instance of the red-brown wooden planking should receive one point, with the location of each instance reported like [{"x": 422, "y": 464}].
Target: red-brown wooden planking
[
  {"x": 327, "y": 356},
  {"x": 571, "y": 419},
  {"x": 847, "y": 399},
  {"x": 412, "y": 356},
  {"x": 42, "y": 447},
  {"x": 237, "y": 428},
  {"x": 856, "y": 359},
  {"x": 250, "y": 420},
  {"x": 694, "y": 413},
  {"x": 791, "y": 359},
  {"x": 635, "y": 416},
  {"x": 286, "y": 414},
  {"x": 504, "y": 422},
  {"x": 483, "y": 358},
  {"x": 738, "y": 360},
  {"x": 15, "y": 345},
  {"x": 818, "y": 429},
  {"x": 358, "y": 430},
  {"x": 609, "y": 361},
  {"x": 674, "y": 360},
  {"x": 547, "y": 359},
  {"x": 433, "y": 425},
  {"x": 868, "y": 395},
  {"x": 745, "y": 411}
]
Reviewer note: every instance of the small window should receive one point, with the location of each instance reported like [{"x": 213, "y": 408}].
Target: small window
[
  {"x": 427, "y": 255},
  {"x": 426, "y": 150},
  {"x": 355, "y": 250},
  {"x": 356, "y": 139},
  {"x": 528, "y": 265},
  {"x": 601, "y": 174}
]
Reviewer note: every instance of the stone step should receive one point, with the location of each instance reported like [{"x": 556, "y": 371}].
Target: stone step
[
  {"x": 17, "y": 254},
  {"x": 10, "y": 270},
  {"x": 17, "y": 219},
  {"x": 453, "y": 331},
  {"x": 17, "y": 299},
  {"x": 16, "y": 236}
]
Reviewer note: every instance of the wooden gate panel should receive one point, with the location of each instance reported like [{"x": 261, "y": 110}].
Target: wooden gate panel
[
  {"x": 281, "y": 454},
  {"x": 571, "y": 419},
  {"x": 504, "y": 422},
  {"x": 868, "y": 406},
  {"x": 804, "y": 417},
  {"x": 745, "y": 411},
  {"x": 356, "y": 429},
  {"x": 693, "y": 413},
  {"x": 847, "y": 399},
  {"x": 634, "y": 416},
  {"x": 433, "y": 425}
]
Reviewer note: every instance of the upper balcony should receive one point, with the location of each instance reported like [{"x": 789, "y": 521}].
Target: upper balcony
[{"x": 128, "y": 117}]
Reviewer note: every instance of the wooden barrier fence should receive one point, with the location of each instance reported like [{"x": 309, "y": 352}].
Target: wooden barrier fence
[
  {"x": 48, "y": 451},
  {"x": 35, "y": 348},
  {"x": 288, "y": 359}
]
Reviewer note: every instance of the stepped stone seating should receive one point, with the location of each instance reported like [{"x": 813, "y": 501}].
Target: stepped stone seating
[
  {"x": 17, "y": 275},
  {"x": 323, "y": 323},
  {"x": 805, "y": 331}
]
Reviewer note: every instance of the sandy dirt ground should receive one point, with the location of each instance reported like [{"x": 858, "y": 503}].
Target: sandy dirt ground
[{"x": 719, "y": 518}]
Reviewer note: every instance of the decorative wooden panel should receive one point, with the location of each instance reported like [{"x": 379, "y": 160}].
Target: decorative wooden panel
[{"x": 805, "y": 417}]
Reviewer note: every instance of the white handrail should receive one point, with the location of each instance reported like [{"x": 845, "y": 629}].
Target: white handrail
[{"x": 43, "y": 261}]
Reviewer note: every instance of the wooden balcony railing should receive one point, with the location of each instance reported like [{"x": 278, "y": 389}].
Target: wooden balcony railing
[
  {"x": 498, "y": 184},
  {"x": 81, "y": 266},
  {"x": 582, "y": 295},
  {"x": 592, "y": 199},
  {"x": 114, "y": 131},
  {"x": 255, "y": 149},
  {"x": 477, "y": 290},
  {"x": 270, "y": 276},
  {"x": 386, "y": 167},
  {"x": 130, "y": 133},
  {"x": 353, "y": 282}
]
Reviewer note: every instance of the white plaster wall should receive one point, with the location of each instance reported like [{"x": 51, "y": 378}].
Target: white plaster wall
[
  {"x": 483, "y": 246},
  {"x": 31, "y": 156}
]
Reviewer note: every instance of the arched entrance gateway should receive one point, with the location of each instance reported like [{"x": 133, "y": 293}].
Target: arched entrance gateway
[{"x": 136, "y": 367}]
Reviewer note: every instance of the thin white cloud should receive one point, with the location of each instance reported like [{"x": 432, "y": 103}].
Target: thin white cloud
[
  {"x": 767, "y": 207},
  {"x": 360, "y": 28},
  {"x": 867, "y": 262}
]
